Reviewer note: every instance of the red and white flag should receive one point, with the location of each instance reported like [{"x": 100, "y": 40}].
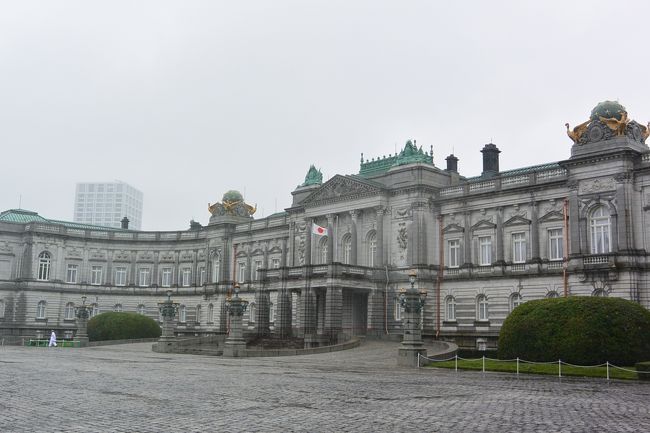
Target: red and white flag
[{"x": 318, "y": 230}]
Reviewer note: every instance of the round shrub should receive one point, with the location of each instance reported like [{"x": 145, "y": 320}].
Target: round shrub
[
  {"x": 122, "y": 326},
  {"x": 577, "y": 330}
]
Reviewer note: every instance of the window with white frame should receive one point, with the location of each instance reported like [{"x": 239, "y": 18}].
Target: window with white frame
[
  {"x": 275, "y": 263},
  {"x": 144, "y": 277},
  {"x": 69, "y": 311},
  {"x": 2, "y": 309},
  {"x": 198, "y": 314},
  {"x": 372, "y": 248},
  {"x": 141, "y": 309},
  {"x": 347, "y": 249},
  {"x": 96, "y": 275},
  {"x": 271, "y": 312},
  {"x": 252, "y": 312},
  {"x": 202, "y": 276},
  {"x": 210, "y": 313},
  {"x": 599, "y": 223},
  {"x": 519, "y": 247},
  {"x": 450, "y": 309},
  {"x": 182, "y": 314},
  {"x": 215, "y": 271},
  {"x": 40, "y": 310},
  {"x": 258, "y": 266},
  {"x": 322, "y": 249},
  {"x": 166, "y": 277},
  {"x": 515, "y": 300},
  {"x": 117, "y": 308},
  {"x": 120, "y": 276},
  {"x": 398, "y": 310},
  {"x": 485, "y": 250},
  {"x": 44, "y": 263},
  {"x": 71, "y": 274},
  {"x": 555, "y": 244},
  {"x": 482, "y": 308},
  {"x": 242, "y": 272},
  {"x": 186, "y": 277},
  {"x": 453, "y": 253}
]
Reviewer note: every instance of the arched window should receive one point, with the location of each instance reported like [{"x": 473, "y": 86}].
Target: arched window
[
  {"x": 198, "y": 314},
  {"x": 210, "y": 313},
  {"x": 552, "y": 294},
  {"x": 117, "y": 308},
  {"x": 215, "y": 270},
  {"x": 482, "y": 308},
  {"x": 182, "y": 314},
  {"x": 322, "y": 250},
  {"x": 40, "y": 310},
  {"x": 2, "y": 309},
  {"x": 252, "y": 312},
  {"x": 515, "y": 300},
  {"x": 347, "y": 249},
  {"x": 69, "y": 311},
  {"x": 44, "y": 262},
  {"x": 450, "y": 309},
  {"x": 371, "y": 241},
  {"x": 142, "y": 309},
  {"x": 600, "y": 228}
]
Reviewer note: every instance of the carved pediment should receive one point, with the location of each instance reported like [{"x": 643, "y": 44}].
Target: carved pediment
[
  {"x": 484, "y": 224},
  {"x": 517, "y": 220},
  {"x": 166, "y": 256},
  {"x": 552, "y": 216},
  {"x": 145, "y": 257},
  {"x": 341, "y": 188},
  {"x": 453, "y": 228}
]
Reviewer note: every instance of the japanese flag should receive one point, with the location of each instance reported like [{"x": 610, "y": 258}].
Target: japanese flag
[{"x": 318, "y": 230}]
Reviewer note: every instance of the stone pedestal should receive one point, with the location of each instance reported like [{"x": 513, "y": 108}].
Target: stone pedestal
[
  {"x": 235, "y": 345},
  {"x": 412, "y": 301},
  {"x": 82, "y": 332}
]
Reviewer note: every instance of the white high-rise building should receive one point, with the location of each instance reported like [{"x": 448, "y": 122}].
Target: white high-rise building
[{"x": 105, "y": 204}]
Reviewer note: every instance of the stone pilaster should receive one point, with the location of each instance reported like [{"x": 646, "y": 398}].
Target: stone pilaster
[
  {"x": 376, "y": 312},
  {"x": 262, "y": 305},
  {"x": 333, "y": 313},
  {"x": 499, "y": 238},
  {"x": 575, "y": 245},
  {"x": 330, "y": 239},
  {"x": 467, "y": 240},
  {"x": 308, "y": 312},
  {"x": 380, "y": 259},
  {"x": 353, "y": 237},
  {"x": 283, "y": 325},
  {"x": 534, "y": 233},
  {"x": 308, "y": 236}
]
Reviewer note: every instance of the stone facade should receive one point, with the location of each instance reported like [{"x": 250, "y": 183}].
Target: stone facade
[{"x": 480, "y": 246}]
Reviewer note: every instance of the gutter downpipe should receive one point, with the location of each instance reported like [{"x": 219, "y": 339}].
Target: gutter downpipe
[
  {"x": 565, "y": 275},
  {"x": 386, "y": 302},
  {"x": 441, "y": 262}
]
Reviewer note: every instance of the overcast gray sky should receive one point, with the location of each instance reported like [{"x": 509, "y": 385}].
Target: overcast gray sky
[{"x": 185, "y": 100}]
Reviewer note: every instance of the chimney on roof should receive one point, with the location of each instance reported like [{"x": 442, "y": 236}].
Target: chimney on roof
[
  {"x": 125, "y": 223},
  {"x": 452, "y": 163},
  {"x": 490, "y": 160}
]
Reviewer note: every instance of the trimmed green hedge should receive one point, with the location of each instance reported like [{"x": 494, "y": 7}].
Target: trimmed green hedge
[
  {"x": 644, "y": 370},
  {"x": 122, "y": 326},
  {"x": 578, "y": 330}
]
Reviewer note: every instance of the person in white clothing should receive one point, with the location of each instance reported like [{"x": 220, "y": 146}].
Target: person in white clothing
[{"x": 52, "y": 339}]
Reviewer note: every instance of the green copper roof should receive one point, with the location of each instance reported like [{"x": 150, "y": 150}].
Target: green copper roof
[
  {"x": 410, "y": 154},
  {"x": 313, "y": 177},
  {"x": 22, "y": 216},
  {"x": 608, "y": 110},
  {"x": 523, "y": 170}
]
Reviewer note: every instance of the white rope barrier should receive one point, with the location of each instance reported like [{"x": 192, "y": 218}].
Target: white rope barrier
[{"x": 559, "y": 363}]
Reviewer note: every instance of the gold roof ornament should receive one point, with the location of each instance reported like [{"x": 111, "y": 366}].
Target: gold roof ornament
[
  {"x": 232, "y": 204},
  {"x": 608, "y": 120}
]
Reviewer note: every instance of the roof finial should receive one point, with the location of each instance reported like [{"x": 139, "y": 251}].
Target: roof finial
[
  {"x": 361, "y": 157},
  {"x": 432, "y": 150}
]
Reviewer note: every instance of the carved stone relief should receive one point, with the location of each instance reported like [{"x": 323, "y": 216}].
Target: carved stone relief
[{"x": 597, "y": 185}]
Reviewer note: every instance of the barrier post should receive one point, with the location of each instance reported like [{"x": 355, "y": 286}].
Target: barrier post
[
  {"x": 456, "y": 363},
  {"x": 418, "y": 360},
  {"x": 483, "y": 363},
  {"x": 517, "y": 366},
  {"x": 559, "y": 368},
  {"x": 607, "y": 365}
]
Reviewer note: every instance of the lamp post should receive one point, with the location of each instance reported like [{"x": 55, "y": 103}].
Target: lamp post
[
  {"x": 412, "y": 302},
  {"x": 168, "y": 310},
  {"x": 235, "y": 345},
  {"x": 82, "y": 313}
]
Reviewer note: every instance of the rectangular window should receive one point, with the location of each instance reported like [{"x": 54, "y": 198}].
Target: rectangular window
[
  {"x": 242, "y": 272},
  {"x": 166, "y": 278},
  {"x": 518, "y": 247},
  {"x": 485, "y": 250},
  {"x": 275, "y": 263},
  {"x": 555, "y": 244},
  {"x": 96, "y": 275},
  {"x": 258, "y": 266},
  {"x": 186, "y": 277},
  {"x": 453, "y": 247},
  {"x": 144, "y": 277},
  {"x": 202, "y": 276},
  {"x": 215, "y": 272},
  {"x": 120, "y": 276},
  {"x": 71, "y": 274}
]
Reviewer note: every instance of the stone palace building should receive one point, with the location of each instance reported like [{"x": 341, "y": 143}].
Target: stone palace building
[{"x": 480, "y": 246}]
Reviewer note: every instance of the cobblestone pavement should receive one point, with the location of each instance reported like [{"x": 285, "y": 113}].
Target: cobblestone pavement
[{"x": 128, "y": 388}]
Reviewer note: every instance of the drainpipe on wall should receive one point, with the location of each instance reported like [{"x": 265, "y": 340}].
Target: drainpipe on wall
[{"x": 386, "y": 302}]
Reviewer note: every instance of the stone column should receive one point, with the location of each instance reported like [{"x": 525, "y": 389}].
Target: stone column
[
  {"x": 291, "y": 247},
  {"x": 283, "y": 325},
  {"x": 353, "y": 237},
  {"x": 308, "y": 237},
  {"x": 376, "y": 312},
  {"x": 223, "y": 314},
  {"x": 333, "y": 313},
  {"x": 308, "y": 315},
  {"x": 380, "y": 259},
  {"x": 262, "y": 304},
  {"x": 235, "y": 345},
  {"x": 330, "y": 239}
]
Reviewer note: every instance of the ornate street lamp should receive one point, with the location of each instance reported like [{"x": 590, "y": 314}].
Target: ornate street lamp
[
  {"x": 412, "y": 301},
  {"x": 82, "y": 313},
  {"x": 235, "y": 345},
  {"x": 168, "y": 310}
]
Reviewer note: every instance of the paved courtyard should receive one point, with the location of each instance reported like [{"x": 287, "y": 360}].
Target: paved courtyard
[{"x": 128, "y": 388}]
